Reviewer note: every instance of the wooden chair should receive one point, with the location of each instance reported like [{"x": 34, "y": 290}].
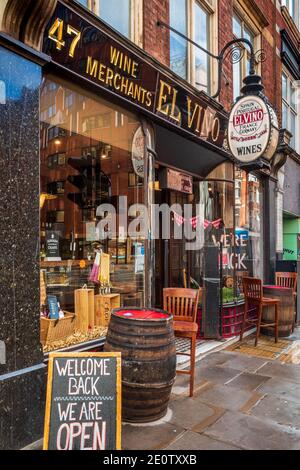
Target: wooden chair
[
  {"x": 183, "y": 304},
  {"x": 289, "y": 280},
  {"x": 253, "y": 292}
]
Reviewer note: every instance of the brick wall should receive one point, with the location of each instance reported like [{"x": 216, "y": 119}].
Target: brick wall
[{"x": 157, "y": 40}]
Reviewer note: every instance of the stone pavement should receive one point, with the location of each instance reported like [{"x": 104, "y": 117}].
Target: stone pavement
[{"x": 240, "y": 402}]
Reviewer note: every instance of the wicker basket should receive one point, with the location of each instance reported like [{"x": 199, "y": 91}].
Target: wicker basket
[{"x": 56, "y": 330}]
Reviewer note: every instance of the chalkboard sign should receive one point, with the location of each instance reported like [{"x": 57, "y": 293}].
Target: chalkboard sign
[{"x": 83, "y": 404}]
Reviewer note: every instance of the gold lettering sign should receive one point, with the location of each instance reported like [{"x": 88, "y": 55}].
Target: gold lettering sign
[{"x": 111, "y": 66}]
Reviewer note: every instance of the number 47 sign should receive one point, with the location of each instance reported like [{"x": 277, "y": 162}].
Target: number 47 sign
[
  {"x": 83, "y": 404},
  {"x": 56, "y": 33}
]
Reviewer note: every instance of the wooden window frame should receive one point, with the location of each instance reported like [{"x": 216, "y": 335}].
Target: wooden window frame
[
  {"x": 296, "y": 17},
  {"x": 255, "y": 30},
  {"x": 211, "y": 8},
  {"x": 292, "y": 109}
]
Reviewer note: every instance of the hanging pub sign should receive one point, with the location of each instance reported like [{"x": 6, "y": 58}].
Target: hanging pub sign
[
  {"x": 252, "y": 130},
  {"x": 91, "y": 53},
  {"x": 83, "y": 403}
]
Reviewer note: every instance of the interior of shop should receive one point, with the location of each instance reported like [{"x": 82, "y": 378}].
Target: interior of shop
[{"x": 91, "y": 154}]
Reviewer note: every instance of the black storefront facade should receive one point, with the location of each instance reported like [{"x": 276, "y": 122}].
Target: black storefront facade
[{"x": 120, "y": 97}]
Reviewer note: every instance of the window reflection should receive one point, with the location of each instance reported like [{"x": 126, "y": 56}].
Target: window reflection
[
  {"x": 249, "y": 223},
  {"x": 86, "y": 161}
]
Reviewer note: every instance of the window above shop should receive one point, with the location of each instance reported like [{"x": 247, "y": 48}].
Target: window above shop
[
  {"x": 241, "y": 69},
  {"x": 290, "y": 109},
  {"x": 123, "y": 15},
  {"x": 194, "y": 19},
  {"x": 293, "y": 7}
]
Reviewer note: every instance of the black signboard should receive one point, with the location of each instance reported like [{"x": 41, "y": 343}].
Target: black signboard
[
  {"x": 52, "y": 244},
  {"x": 90, "y": 52},
  {"x": 83, "y": 405}
]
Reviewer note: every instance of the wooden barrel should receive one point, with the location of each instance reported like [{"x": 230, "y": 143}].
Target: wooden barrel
[
  {"x": 286, "y": 310},
  {"x": 147, "y": 343}
]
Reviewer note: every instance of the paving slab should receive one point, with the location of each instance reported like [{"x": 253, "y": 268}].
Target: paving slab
[
  {"x": 247, "y": 381},
  {"x": 216, "y": 359},
  {"x": 224, "y": 396},
  {"x": 193, "y": 441},
  {"x": 249, "y": 432},
  {"x": 279, "y": 410},
  {"x": 189, "y": 412},
  {"x": 276, "y": 369},
  {"x": 245, "y": 363},
  {"x": 216, "y": 374},
  {"x": 147, "y": 437},
  {"x": 282, "y": 388}
]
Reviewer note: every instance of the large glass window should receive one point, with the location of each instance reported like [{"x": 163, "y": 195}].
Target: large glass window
[
  {"x": 293, "y": 7},
  {"x": 241, "y": 68},
  {"x": 86, "y": 165},
  {"x": 178, "y": 46},
  {"x": 201, "y": 34},
  {"x": 249, "y": 224},
  {"x": 114, "y": 12},
  {"x": 289, "y": 109},
  {"x": 192, "y": 19}
]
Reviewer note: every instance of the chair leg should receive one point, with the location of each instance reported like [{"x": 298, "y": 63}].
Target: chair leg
[
  {"x": 244, "y": 321},
  {"x": 276, "y": 323},
  {"x": 193, "y": 358},
  {"x": 294, "y": 320},
  {"x": 258, "y": 324}
]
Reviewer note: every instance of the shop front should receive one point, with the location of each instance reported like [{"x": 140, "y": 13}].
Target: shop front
[{"x": 115, "y": 184}]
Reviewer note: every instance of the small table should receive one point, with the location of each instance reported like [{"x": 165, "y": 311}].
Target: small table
[{"x": 286, "y": 310}]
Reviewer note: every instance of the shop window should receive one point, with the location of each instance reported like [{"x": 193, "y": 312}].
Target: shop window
[
  {"x": 90, "y": 169},
  {"x": 249, "y": 223},
  {"x": 123, "y": 15},
  {"x": 290, "y": 113},
  {"x": 241, "y": 69},
  {"x": 193, "y": 19}
]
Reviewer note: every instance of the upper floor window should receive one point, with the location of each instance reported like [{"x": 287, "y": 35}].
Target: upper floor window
[
  {"x": 293, "y": 7},
  {"x": 122, "y": 15},
  {"x": 192, "y": 18},
  {"x": 290, "y": 114},
  {"x": 241, "y": 69}
]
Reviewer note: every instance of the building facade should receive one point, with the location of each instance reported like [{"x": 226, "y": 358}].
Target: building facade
[{"x": 100, "y": 100}]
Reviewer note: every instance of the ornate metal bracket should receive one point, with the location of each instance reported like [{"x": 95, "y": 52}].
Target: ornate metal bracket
[{"x": 232, "y": 50}]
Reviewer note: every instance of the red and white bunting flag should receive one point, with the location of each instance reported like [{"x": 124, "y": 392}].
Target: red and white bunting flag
[
  {"x": 178, "y": 219},
  {"x": 216, "y": 223},
  {"x": 194, "y": 221}
]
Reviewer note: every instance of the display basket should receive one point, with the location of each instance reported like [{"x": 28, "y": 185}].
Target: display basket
[{"x": 56, "y": 330}]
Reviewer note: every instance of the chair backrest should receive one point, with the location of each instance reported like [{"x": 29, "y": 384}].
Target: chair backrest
[
  {"x": 182, "y": 303},
  {"x": 287, "y": 280},
  {"x": 253, "y": 289},
  {"x": 239, "y": 277}
]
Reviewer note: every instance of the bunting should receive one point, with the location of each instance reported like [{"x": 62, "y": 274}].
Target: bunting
[{"x": 194, "y": 221}]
